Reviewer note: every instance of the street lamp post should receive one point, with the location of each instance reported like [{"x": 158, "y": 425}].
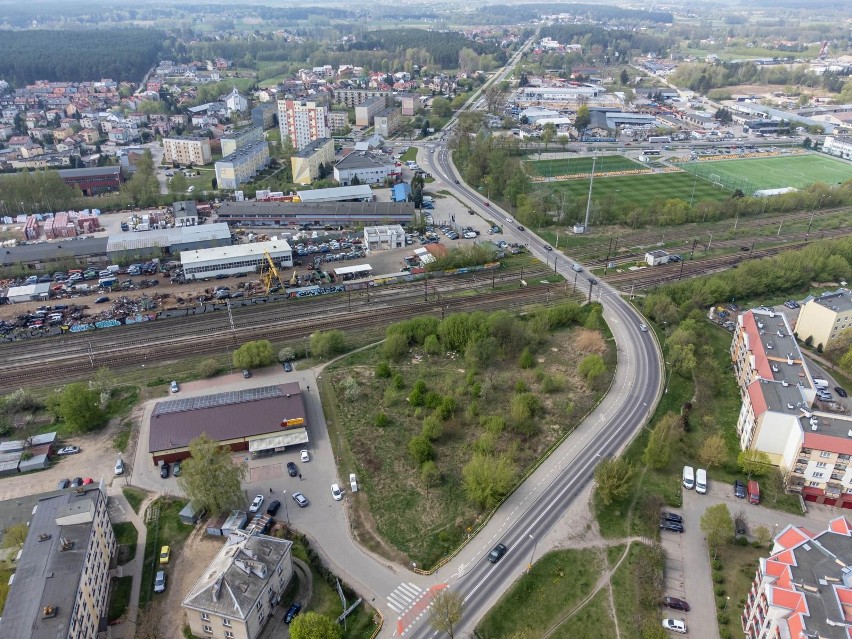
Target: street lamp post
[{"x": 532, "y": 556}]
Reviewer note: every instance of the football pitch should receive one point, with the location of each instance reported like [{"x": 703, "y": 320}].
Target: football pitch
[
  {"x": 581, "y": 166},
  {"x": 749, "y": 175},
  {"x": 641, "y": 190}
]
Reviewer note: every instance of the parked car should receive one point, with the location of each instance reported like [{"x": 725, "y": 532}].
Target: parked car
[
  {"x": 173, "y": 387},
  {"x": 841, "y": 391},
  {"x": 160, "y": 581},
  {"x": 740, "y": 525},
  {"x": 273, "y": 507},
  {"x": 292, "y": 611},
  {"x": 739, "y": 489},
  {"x": 256, "y": 504},
  {"x": 643, "y": 328},
  {"x": 671, "y": 526},
  {"x": 288, "y": 367},
  {"x": 165, "y": 554},
  {"x": 246, "y": 373},
  {"x": 176, "y": 469},
  {"x": 677, "y": 604},
  {"x": 336, "y": 493},
  {"x": 77, "y": 481},
  {"x": 300, "y": 499},
  {"x": 63, "y": 484},
  {"x": 304, "y": 456},
  {"x": 164, "y": 470},
  {"x": 119, "y": 467},
  {"x": 497, "y": 553},
  {"x": 291, "y": 469},
  {"x": 87, "y": 481},
  {"x": 675, "y": 625},
  {"x": 671, "y": 517},
  {"x": 102, "y": 299},
  {"x": 68, "y": 450}
]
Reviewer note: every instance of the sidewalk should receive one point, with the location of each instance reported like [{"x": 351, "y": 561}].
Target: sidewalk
[{"x": 120, "y": 510}]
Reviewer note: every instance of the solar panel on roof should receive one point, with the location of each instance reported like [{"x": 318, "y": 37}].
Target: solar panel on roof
[{"x": 217, "y": 399}]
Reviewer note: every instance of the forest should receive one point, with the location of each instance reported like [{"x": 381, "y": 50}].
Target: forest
[
  {"x": 442, "y": 47},
  {"x": 509, "y": 14},
  {"x": 78, "y": 56},
  {"x": 610, "y": 40},
  {"x": 704, "y": 77}
]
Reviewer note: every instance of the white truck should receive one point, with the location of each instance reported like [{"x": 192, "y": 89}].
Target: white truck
[{"x": 821, "y": 384}]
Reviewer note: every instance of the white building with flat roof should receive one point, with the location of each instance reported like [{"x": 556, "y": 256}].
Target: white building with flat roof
[
  {"x": 378, "y": 238},
  {"x": 359, "y": 193},
  {"x": 230, "y": 260}
]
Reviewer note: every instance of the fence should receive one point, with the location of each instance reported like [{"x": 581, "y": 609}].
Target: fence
[{"x": 720, "y": 178}]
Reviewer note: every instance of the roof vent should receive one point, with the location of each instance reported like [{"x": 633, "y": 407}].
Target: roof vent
[
  {"x": 44, "y": 536},
  {"x": 65, "y": 543},
  {"x": 779, "y": 334},
  {"x": 790, "y": 406},
  {"x": 774, "y": 368},
  {"x": 769, "y": 346},
  {"x": 784, "y": 383},
  {"x": 48, "y": 611},
  {"x": 760, "y": 325},
  {"x": 790, "y": 359},
  {"x": 814, "y": 427},
  {"x": 849, "y": 433}
]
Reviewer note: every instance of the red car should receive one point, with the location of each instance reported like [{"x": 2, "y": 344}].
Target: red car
[
  {"x": 677, "y": 604},
  {"x": 88, "y": 480}
]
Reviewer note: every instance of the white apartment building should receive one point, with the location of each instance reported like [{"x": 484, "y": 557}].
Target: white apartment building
[
  {"x": 838, "y": 146},
  {"x": 62, "y": 577},
  {"x": 237, "y": 140},
  {"x": 781, "y": 414},
  {"x": 186, "y": 151},
  {"x": 303, "y": 121},
  {"x": 824, "y": 318}
]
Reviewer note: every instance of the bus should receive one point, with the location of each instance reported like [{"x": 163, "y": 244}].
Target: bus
[
  {"x": 648, "y": 152},
  {"x": 659, "y": 138}
]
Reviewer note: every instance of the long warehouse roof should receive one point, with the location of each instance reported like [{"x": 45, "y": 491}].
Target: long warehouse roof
[{"x": 237, "y": 251}]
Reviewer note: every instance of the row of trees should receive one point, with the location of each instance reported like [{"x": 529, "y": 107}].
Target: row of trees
[
  {"x": 514, "y": 14},
  {"x": 36, "y": 191},
  {"x": 703, "y": 77},
  {"x": 445, "y": 48}
]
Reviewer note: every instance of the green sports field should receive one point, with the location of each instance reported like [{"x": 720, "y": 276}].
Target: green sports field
[
  {"x": 796, "y": 171},
  {"x": 581, "y": 166},
  {"x": 641, "y": 190}
]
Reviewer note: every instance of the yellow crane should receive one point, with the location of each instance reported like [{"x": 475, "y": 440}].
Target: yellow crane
[{"x": 270, "y": 275}]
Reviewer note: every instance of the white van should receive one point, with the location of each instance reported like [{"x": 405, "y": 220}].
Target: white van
[
  {"x": 688, "y": 477},
  {"x": 700, "y": 481},
  {"x": 820, "y": 383}
]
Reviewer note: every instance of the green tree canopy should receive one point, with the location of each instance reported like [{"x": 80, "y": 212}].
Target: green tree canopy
[
  {"x": 612, "y": 478},
  {"x": 487, "y": 478},
  {"x": 178, "y": 185},
  {"x": 325, "y": 344},
  {"x": 210, "y": 478},
  {"x": 446, "y": 611},
  {"x": 312, "y": 625},
  {"x": 754, "y": 463},
  {"x": 714, "y": 451},
  {"x": 254, "y": 354},
  {"x": 717, "y": 526},
  {"x": 80, "y": 407},
  {"x": 583, "y": 119}
]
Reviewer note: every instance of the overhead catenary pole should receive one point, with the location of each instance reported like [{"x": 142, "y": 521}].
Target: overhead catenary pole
[{"x": 589, "y": 201}]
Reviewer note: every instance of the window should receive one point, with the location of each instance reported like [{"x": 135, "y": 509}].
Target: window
[
  {"x": 205, "y": 616},
  {"x": 229, "y": 634},
  {"x": 258, "y": 605},
  {"x": 818, "y": 475},
  {"x": 813, "y": 484},
  {"x": 208, "y": 630},
  {"x": 821, "y": 465},
  {"x": 825, "y": 453},
  {"x": 226, "y": 622}
]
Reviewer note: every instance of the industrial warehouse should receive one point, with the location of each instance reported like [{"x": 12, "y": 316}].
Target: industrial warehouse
[
  {"x": 298, "y": 213},
  {"x": 239, "y": 258},
  {"x": 267, "y": 418}
]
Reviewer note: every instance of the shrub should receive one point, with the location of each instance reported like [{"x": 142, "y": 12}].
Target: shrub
[
  {"x": 446, "y": 408},
  {"x": 432, "y": 428},
  {"x": 552, "y": 384},
  {"x": 719, "y": 590},
  {"x": 429, "y": 474},
  {"x": 208, "y": 368},
  {"x": 742, "y": 541},
  {"x": 286, "y": 354},
  {"x": 398, "y": 381},
  {"x": 382, "y": 420},
  {"x": 433, "y": 399},
  {"x": 716, "y": 564},
  {"x": 718, "y": 577},
  {"x": 395, "y": 347},
  {"x": 383, "y": 370},
  {"x": 521, "y": 386},
  {"x": 420, "y": 449},
  {"x": 432, "y": 346},
  {"x": 722, "y": 618},
  {"x": 724, "y": 633},
  {"x": 476, "y": 390},
  {"x": 526, "y": 360},
  {"x": 592, "y": 367},
  {"x": 418, "y": 393},
  {"x": 524, "y": 406}
]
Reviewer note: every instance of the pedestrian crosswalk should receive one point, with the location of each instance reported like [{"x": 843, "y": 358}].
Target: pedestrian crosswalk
[{"x": 403, "y": 597}]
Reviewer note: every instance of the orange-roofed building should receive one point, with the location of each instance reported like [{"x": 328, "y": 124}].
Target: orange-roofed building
[{"x": 804, "y": 588}]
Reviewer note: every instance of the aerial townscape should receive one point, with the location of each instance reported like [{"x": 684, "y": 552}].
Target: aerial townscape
[{"x": 336, "y": 320}]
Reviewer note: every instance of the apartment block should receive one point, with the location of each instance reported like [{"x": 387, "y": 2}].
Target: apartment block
[
  {"x": 804, "y": 588},
  {"x": 240, "y": 588},
  {"x": 824, "y": 318},
  {"x": 303, "y": 122},
  {"x": 233, "y": 142},
  {"x": 410, "y": 103},
  {"x": 782, "y": 415},
  {"x": 338, "y": 120},
  {"x": 354, "y": 97},
  {"x": 306, "y": 163},
  {"x": 241, "y": 166},
  {"x": 186, "y": 151},
  {"x": 365, "y": 111},
  {"x": 386, "y": 121},
  {"x": 61, "y": 584}
]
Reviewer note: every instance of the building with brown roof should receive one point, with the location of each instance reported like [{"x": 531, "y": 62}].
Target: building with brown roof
[{"x": 254, "y": 419}]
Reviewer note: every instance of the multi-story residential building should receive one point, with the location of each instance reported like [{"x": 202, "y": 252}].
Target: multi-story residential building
[
  {"x": 303, "y": 122},
  {"x": 338, "y": 120},
  {"x": 237, "y": 140},
  {"x": 186, "y": 151},
  {"x": 841, "y": 147},
  {"x": 241, "y": 166},
  {"x": 365, "y": 111},
  {"x": 410, "y": 103},
  {"x": 822, "y": 319},
  {"x": 263, "y": 115},
  {"x": 61, "y": 583},
  {"x": 386, "y": 121},
  {"x": 306, "y": 163},
  {"x": 354, "y": 97},
  {"x": 240, "y": 588},
  {"x": 364, "y": 167},
  {"x": 781, "y": 414},
  {"x": 804, "y": 587}
]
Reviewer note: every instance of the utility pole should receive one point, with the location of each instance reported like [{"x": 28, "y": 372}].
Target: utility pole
[
  {"x": 692, "y": 252},
  {"x": 590, "y": 292},
  {"x": 589, "y": 201}
]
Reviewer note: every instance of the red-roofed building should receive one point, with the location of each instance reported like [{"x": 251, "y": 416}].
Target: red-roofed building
[{"x": 804, "y": 588}]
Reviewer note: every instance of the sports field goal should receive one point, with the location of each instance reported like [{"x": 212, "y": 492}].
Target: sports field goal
[{"x": 719, "y": 179}]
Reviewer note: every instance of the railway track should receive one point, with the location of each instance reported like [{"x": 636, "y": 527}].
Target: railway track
[{"x": 197, "y": 340}]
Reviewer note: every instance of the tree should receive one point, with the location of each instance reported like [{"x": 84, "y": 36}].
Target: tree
[
  {"x": 15, "y": 536},
  {"x": 80, "y": 408},
  {"x": 254, "y": 354},
  {"x": 429, "y": 474},
  {"x": 612, "y": 478},
  {"x": 286, "y": 354},
  {"x": 420, "y": 449},
  {"x": 592, "y": 367},
  {"x": 395, "y": 346},
  {"x": 583, "y": 119},
  {"x": 713, "y": 452},
  {"x": 625, "y": 77},
  {"x": 487, "y": 478},
  {"x": 446, "y": 611},
  {"x": 762, "y": 535},
  {"x": 312, "y": 625},
  {"x": 724, "y": 116},
  {"x": 658, "y": 450},
  {"x": 442, "y": 107},
  {"x": 143, "y": 188},
  {"x": 717, "y": 526},
  {"x": 210, "y": 478},
  {"x": 807, "y": 143},
  {"x": 325, "y": 344},
  {"x": 754, "y": 462},
  {"x": 178, "y": 185}
]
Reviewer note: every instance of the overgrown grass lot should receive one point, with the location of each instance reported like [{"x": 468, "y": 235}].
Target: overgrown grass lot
[{"x": 446, "y": 417}]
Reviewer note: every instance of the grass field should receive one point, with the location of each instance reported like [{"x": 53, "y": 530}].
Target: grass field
[
  {"x": 798, "y": 171},
  {"x": 581, "y": 166},
  {"x": 640, "y": 190}
]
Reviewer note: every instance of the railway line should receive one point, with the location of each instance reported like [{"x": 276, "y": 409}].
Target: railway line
[{"x": 75, "y": 360}]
